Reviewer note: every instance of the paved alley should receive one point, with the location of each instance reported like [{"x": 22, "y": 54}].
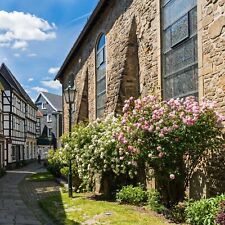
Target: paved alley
[{"x": 13, "y": 210}]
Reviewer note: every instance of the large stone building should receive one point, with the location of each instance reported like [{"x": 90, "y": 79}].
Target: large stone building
[{"x": 169, "y": 48}]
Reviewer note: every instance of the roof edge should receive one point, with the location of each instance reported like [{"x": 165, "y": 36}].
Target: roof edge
[{"x": 86, "y": 28}]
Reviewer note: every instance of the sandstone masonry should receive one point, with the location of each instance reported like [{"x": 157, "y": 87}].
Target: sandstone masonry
[{"x": 134, "y": 59}]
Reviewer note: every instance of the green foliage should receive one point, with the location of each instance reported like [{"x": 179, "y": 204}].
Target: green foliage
[
  {"x": 64, "y": 171},
  {"x": 132, "y": 195},
  {"x": 55, "y": 162},
  {"x": 163, "y": 135},
  {"x": 96, "y": 151},
  {"x": 154, "y": 201},
  {"x": 45, "y": 176},
  {"x": 204, "y": 211},
  {"x": 167, "y": 134}
]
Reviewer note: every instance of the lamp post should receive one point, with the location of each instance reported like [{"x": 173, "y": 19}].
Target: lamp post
[{"x": 69, "y": 94}]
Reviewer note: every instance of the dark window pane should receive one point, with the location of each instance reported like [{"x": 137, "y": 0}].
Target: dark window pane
[
  {"x": 100, "y": 58},
  {"x": 101, "y": 86},
  {"x": 182, "y": 84},
  {"x": 186, "y": 83},
  {"x": 182, "y": 56},
  {"x": 167, "y": 40},
  {"x": 168, "y": 63},
  {"x": 176, "y": 9},
  {"x": 100, "y": 76},
  {"x": 193, "y": 21},
  {"x": 100, "y": 113},
  {"x": 101, "y": 72},
  {"x": 179, "y": 48},
  {"x": 101, "y": 100},
  {"x": 180, "y": 30},
  {"x": 168, "y": 88},
  {"x": 101, "y": 42}
]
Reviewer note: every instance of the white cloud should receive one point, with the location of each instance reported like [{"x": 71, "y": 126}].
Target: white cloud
[
  {"x": 30, "y": 79},
  {"x": 18, "y": 28},
  {"x": 16, "y": 55},
  {"x": 32, "y": 55},
  {"x": 52, "y": 84},
  {"x": 39, "y": 89},
  {"x": 5, "y": 59},
  {"x": 53, "y": 70},
  {"x": 20, "y": 45}
]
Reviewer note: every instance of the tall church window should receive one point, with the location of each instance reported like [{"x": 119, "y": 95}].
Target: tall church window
[
  {"x": 179, "y": 48},
  {"x": 100, "y": 76}
]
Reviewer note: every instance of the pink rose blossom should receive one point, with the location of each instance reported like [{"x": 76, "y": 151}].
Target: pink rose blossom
[
  {"x": 159, "y": 148},
  {"x": 161, "y": 155}
]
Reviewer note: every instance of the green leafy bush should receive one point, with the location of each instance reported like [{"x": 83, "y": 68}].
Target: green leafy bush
[
  {"x": 163, "y": 133},
  {"x": 132, "y": 195},
  {"x": 64, "y": 171},
  {"x": 55, "y": 162},
  {"x": 154, "y": 201},
  {"x": 204, "y": 211}
]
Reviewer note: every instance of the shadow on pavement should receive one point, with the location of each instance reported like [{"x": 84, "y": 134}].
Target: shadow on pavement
[{"x": 36, "y": 194}]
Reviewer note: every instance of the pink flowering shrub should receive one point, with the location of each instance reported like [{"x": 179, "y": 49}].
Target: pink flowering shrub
[
  {"x": 95, "y": 151},
  {"x": 171, "y": 137}
]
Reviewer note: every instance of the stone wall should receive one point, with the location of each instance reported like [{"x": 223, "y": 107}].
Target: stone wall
[
  {"x": 133, "y": 59},
  {"x": 212, "y": 50},
  {"x": 132, "y": 40},
  {"x": 209, "y": 179}
]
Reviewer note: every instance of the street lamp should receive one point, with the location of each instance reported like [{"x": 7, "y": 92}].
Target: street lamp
[{"x": 69, "y": 94}]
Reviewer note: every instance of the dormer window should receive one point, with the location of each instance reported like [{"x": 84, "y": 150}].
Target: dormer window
[
  {"x": 43, "y": 105},
  {"x": 49, "y": 118}
]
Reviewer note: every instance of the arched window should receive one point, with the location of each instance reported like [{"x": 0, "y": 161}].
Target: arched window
[{"x": 100, "y": 76}]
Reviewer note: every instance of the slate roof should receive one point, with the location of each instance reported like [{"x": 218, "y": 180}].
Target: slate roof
[
  {"x": 55, "y": 100},
  {"x": 89, "y": 25},
  {"x": 14, "y": 84}
]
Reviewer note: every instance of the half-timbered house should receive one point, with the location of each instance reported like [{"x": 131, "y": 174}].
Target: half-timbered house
[{"x": 19, "y": 120}]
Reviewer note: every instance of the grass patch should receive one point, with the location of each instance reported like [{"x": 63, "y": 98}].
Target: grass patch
[
  {"x": 45, "y": 176},
  {"x": 80, "y": 209}
]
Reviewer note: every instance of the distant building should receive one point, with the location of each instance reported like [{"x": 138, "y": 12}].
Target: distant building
[
  {"x": 19, "y": 120},
  {"x": 49, "y": 117}
]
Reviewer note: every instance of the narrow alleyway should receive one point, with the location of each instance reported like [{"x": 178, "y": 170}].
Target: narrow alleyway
[{"x": 13, "y": 210}]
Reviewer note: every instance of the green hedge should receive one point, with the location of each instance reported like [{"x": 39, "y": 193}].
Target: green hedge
[{"x": 204, "y": 211}]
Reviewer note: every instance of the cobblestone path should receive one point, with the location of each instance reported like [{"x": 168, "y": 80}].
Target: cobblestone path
[{"x": 18, "y": 197}]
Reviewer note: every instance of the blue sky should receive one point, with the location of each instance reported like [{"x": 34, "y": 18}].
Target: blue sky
[{"x": 36, "y": 36}]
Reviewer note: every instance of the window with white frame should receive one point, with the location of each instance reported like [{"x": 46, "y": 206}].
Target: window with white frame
[
  {"x": 101, "y": 76},
  {"x": 43, "y": 105},
  {"x": 49, "y": 118},
  {"x": 179, "y": 48}
]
